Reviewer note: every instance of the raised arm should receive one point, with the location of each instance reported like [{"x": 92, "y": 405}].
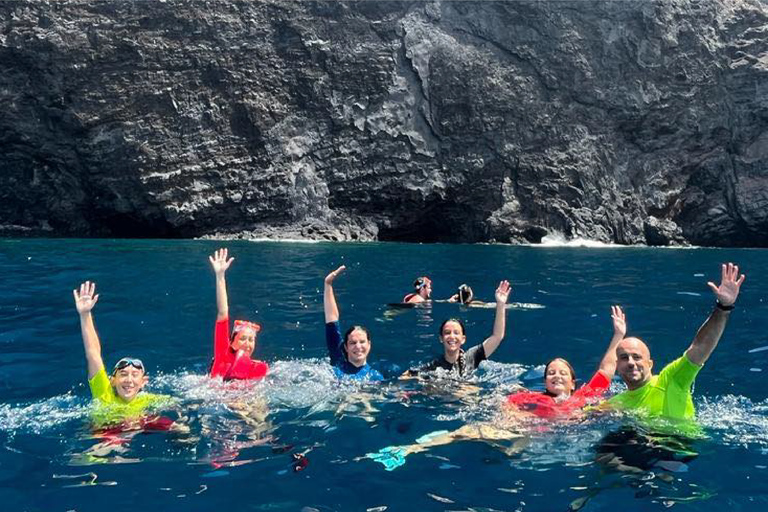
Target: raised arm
[
  {"x": 492, "y": 342},
  {"x": 329, "y": 299},
  {"x": 85, "y": 300},
  {"x": 709, "y": 334},
  {"x": 220, "y": 264},
  {"x": 608, "y": 363}
]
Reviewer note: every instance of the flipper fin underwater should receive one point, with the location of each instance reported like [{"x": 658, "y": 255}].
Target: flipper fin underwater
[{"x": 392, "y": 457}]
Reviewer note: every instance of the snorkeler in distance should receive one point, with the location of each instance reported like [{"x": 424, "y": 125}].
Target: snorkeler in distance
[
  {"x": 232, "y": 357},
  {"x": 422, "y": 291},
  {"x": 122, "y": 391},
  {"x": 349, "y": 355},
  {"x": 668, "y": 394},
  {"x": 452, "y": 335},
  {"x": 463, "y": 295},
  {"x": 561, "y": 398}
]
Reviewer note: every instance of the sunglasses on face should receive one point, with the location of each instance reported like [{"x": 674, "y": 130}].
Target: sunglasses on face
[{"x": 128, "y": 361}]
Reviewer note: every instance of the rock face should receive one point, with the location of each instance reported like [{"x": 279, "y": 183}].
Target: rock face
[{"x": 627, "y": 122}]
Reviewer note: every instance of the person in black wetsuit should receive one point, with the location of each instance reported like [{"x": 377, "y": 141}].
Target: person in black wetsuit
[{"x": 462, "y": 363}]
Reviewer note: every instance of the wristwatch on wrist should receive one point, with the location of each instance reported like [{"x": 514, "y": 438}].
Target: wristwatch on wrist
[{"x": 723, "y": 307}]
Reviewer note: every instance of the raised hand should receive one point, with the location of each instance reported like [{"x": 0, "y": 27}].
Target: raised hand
[
  {"x": 619, "y": 321},
  {"x": 730, "y": 282},
  {"x": 333, "y": 275},
  {"x": 86, "y": 298},
  {"x": 502, "y": 292},
  {"x": 219, "y": 261}
]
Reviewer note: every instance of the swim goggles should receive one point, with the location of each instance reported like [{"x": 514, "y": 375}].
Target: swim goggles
[
  {"x": 129, "y": 361},
  {"x": 242, "y": 325},
  {"x": 421, "y": 282}
]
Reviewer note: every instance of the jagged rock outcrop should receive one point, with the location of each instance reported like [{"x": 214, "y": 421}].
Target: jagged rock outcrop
[{"x": 630, "y": 122}]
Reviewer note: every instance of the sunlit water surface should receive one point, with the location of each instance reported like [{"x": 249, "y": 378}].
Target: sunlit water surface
[{"x": 157, "y": 303}]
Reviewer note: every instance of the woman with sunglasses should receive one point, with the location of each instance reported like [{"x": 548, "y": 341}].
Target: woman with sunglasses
[
  {"x": 349, "y": 355},
  {"x": 120, "y": 392},
  {"x": 232, "y": 355}
]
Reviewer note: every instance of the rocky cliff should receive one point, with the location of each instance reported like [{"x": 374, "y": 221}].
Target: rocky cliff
[{"x": 624, "y": 121}]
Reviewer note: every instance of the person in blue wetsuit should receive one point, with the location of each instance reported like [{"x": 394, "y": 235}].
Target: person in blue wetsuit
[{"x": 349, "y": 355}]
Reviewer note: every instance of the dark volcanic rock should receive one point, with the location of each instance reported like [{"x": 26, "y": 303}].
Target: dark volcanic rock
[{"x": 631, "y": 122}]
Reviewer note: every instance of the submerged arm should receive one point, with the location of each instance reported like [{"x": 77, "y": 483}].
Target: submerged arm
[
  {"x": 710, "y": 332},
  {"x": 608, "y": 363},
  {"x": 499, "y": 324},
  {"x": 329, "y": 299},
  {"x": 85, "y": 300}
]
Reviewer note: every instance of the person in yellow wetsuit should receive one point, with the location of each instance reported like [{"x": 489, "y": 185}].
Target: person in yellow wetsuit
[
  {"x": 118, "y": 397},
  {"x": 668, "y": 394}
]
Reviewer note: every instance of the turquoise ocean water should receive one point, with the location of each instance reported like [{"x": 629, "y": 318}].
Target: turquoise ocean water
[{"x": 157, "y": 303}]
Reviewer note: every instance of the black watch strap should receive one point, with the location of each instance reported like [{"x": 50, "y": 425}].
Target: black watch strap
[{"x": 723, "y": 307}]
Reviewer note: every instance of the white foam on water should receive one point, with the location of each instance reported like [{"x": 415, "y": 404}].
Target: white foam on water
[
  {"x": 558, "y": 240},
  {"x": 735, "y": 420},
  {"x": 42, "y": 416}
]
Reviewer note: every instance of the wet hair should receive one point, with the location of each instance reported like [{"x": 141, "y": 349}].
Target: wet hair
[
  {"x": 570, "y": 369},
  {"x": 442, "y": 326},
  {"x": 465, "y": 294},
  {"x": 421, "y": 282},
  {"x": 356, "y": 328}
]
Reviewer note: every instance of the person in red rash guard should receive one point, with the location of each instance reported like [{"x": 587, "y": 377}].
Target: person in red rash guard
[
  {"x": 232, "y": 355},
  {"x": 561, "y": 398}
]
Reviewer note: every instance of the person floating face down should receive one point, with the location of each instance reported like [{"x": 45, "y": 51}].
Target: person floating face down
[
  {"x": 121, "y": 393},
  {"x": 349, "y": 355},
  {"x": 455, "y": 360},
  {"x": 422, "y": 291},
  {"x": 668, "y": 394},
  {"x": 561, "y": 399},
  {"x": 232, "y": 354}
]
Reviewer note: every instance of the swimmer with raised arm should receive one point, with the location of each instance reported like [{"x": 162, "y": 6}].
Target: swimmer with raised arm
[
  {"x": 452, "y": 335},
  {"x": 232, "y": 355},
  {"x": 668, "y": 394},
  {"x": 560, "y": 400},
  {"x": 560, "y": 397},
  {"x": 349, "y": 355},
  {"x": 422, "y": 291},
  {"x": 121, "y": 392}
]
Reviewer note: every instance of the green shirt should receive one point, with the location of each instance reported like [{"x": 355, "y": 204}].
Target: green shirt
[
  {"x": 110, "y": 408},
  {"x": 667, "y": 394}
]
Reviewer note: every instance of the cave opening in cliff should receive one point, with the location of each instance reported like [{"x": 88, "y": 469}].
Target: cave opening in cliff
[{"x": 454, "y": 224}]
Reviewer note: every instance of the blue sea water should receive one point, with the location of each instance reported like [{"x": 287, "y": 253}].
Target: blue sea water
[{"x": 157, "y": 302}]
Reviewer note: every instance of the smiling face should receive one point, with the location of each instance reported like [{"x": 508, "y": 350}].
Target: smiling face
[
  {"x": 245, "y": 340},
  {"x": 452, "y": 337},
  {"x": 633, "y": 362},
  {"x": 128, "y": 381},
  {"x": 559, "y": 378},
  {"x": 357, "y": 346}
]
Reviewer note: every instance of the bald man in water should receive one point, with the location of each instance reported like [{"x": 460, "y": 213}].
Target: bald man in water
[{"x": 668, "y": 394}]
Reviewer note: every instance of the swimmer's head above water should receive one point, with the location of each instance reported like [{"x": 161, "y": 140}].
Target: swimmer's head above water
[
  {"x": 423, "y": 287},
  {"x": 452, "y": 335},
  {"x": 357, "y": 344},
  {"x": 128, "y": 378},
  {"x": 244, "y": 336},
  {"x": 559, "y": 378},
  {"x": 465, "y": 294}
]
